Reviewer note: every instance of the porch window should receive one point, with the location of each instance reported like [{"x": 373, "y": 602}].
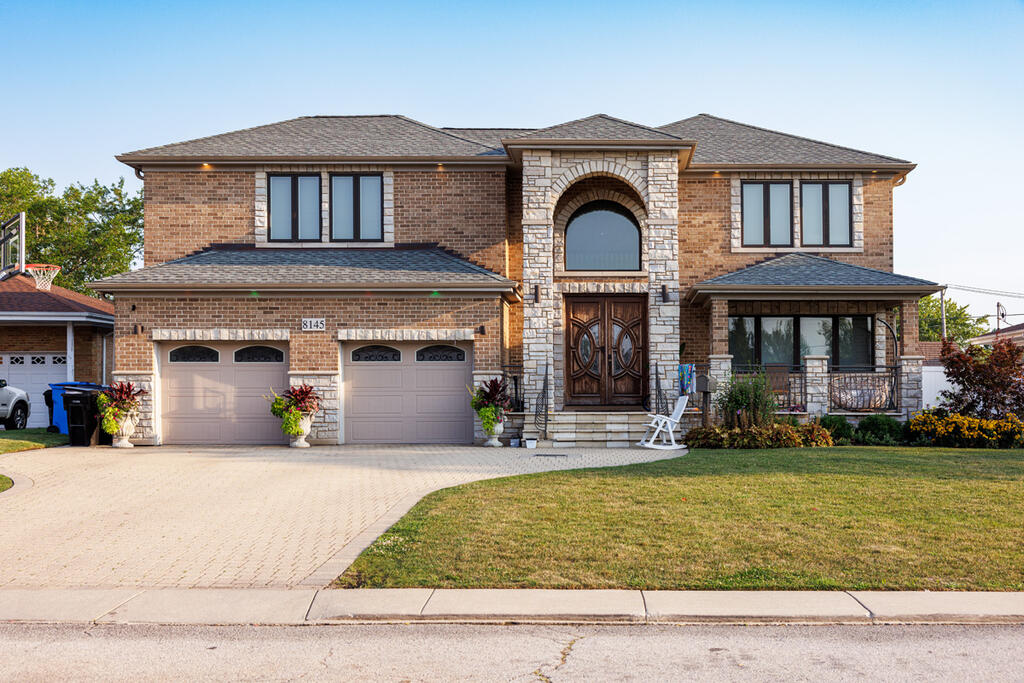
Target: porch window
[
  {"x": 848, "y": 341},
  {"x": 357, "y": 207},
  {"x": 767, "y": 214},
  {"x": 602, "y": 235},
  {"x": 825, "y": 210},
  {"x": 294, "y": 208}
]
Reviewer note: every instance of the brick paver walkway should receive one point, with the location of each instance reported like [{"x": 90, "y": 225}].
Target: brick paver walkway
[{"x": 225, "y": 516}]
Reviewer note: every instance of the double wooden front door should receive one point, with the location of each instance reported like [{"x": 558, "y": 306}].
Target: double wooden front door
[{"x": 605, "y": 350}]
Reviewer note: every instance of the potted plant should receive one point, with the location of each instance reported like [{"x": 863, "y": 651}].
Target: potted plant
[
  {"x": 296, "y": 408},
  {"x": 490, "y": 401},
  {"x": 119, "y": 412}
]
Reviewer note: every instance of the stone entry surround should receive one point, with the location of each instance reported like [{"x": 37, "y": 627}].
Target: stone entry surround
[{"x": 547, "y": 174}]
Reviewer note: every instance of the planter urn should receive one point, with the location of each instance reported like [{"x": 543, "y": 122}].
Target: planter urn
[
  {"x": 305, "y": 424},
  {"x": 125, "y": 429},
  {"x": 492, "y": 436}
]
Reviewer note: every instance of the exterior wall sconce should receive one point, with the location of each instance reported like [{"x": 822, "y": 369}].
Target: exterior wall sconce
[
  {"x": 664, "y": 294},
  {"x": 536, "y": 293},
  {"x": 481, "y": 330}
]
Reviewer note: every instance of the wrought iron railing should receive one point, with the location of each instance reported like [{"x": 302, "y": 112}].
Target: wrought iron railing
[
  {"x": 513, "y": 376},
  {"x": 659, "y": 402},
  {"x": 787, "y": 382},
  {"x": 868, "y": 389},
  {"x": 540, "y": 408}
]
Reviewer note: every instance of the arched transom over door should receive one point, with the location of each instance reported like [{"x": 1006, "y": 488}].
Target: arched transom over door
[{"x": 606, "y": 350}]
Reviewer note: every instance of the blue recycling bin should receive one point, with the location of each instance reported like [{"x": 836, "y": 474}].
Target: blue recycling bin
[{"x": 60, "y": 413}]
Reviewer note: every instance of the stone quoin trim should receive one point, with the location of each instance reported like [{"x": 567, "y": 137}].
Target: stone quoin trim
[
  {"x": 407, "y": 334},
  {"x": 220, "y": 334}
]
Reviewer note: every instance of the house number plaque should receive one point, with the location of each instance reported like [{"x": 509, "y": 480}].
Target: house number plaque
[{"x": 314, "y": 324}]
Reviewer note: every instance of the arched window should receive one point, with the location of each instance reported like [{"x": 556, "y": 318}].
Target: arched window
[
  {"x": 602, "y": 235},
  {"x": 194, "y": 354},
  {"x": 376, "y": 353},
  {"x": 440, "y": 353},
  {"x": 259, "y": 354}
]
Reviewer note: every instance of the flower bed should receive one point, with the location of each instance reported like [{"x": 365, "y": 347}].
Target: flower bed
[{"x": 937, "y": 428}]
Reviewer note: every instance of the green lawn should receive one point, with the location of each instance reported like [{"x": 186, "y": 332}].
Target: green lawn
[
  {"x": 838, "y": 518},
  {"x": 27, "y": 439},
  {"x": 5, "y": 483}
]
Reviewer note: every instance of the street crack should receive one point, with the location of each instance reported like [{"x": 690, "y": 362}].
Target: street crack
[{"x": 563, "y": 657}]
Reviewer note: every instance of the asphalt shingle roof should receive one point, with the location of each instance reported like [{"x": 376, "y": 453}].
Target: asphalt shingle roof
[
  {"x": 18, "y": 294},
  {"x": 721, "y": 141},
  {"x": 806, "y": 270},
  {"x": 262, "y": 268},
  {"x": 598, "y": 127}
]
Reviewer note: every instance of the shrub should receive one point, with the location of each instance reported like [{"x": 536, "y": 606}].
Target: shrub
[
  {"x": 815, "y": 435},
  {"x": 839, "y": 428},
  {"x": 986, "y": 383},
  {"x": 878, "y": 430},
  {"x": 490, "y": 401},
  {"x": 706, "y": 437},
  {"x": 775, "y": 435},
  {"x": 783, "y": 435},
  {"x": 937, "y": 428},
  {"x": 116, "y": 402},
  {"x": 292, "y": 405},
  {"x": 747, "y": 401}
]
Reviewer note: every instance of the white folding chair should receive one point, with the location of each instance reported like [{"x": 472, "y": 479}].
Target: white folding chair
[{"x": 661, "y": 428}]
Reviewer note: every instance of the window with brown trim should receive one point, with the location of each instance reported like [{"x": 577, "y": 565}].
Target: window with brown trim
[
  {"x": 826, "y": 214},
  {"x": 357, "y": 207},
  {"x": 293, "y": 205},
  {"x": 847, "y": 340},
  {"x": 767, "y": 214}
]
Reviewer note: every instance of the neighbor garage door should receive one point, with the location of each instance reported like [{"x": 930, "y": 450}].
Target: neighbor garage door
[
  {"x": 408, "y": 393},
  {"x": 213, "y": 393},
  {"x": 33, "y": 373}
]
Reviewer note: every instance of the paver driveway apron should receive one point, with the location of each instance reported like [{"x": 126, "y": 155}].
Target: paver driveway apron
[{"x": 225, "y": 516}]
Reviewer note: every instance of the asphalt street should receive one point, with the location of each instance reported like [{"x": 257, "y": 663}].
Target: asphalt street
[{"x": 424, "y": 652}]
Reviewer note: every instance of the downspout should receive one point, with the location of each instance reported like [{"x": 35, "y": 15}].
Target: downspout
[{"x": 103, "y": 361}]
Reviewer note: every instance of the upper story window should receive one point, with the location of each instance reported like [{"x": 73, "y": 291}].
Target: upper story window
[
  {"x": 825, "y": 214},
  {"x": 767, "y": 214},
  {"x": 294, "y": 208},
  {"x": 357, "y": 208},
  {"x": 602, "y": 235}
]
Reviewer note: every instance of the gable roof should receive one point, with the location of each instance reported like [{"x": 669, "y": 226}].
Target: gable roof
[
  {"x": 1014, "y": 333},
  {"x": 250, "y": 268},
  {"x": 20, "y": 299},
  {"x": 724, "y": 142},
  {"x": 323, "y": 137},
  {"x": 805, "y": 274},
  {"x": 597, "y": 127}
]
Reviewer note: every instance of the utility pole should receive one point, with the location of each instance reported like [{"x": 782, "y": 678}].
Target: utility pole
[{"x": 942, "y": 306}]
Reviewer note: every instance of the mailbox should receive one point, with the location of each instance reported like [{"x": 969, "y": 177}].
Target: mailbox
[{"x": 706, "y": 384}]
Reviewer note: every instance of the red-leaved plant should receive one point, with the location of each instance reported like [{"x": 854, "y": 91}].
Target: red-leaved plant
[
  {"x": 986, "y": 383},
  {"x": 303, "y": 397},
  {"x": 124, "y": 396}
]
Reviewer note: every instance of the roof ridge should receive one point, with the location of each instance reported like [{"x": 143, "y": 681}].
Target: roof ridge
[
  {"x": 606, "y": 116},
  {"x": 639, "y": 125},
  {"x": 217, "y": 135},
  {"x": 442, "y": 131},
  {"x": 476, "y": 266},
  {"x": 790, "y": 135}
]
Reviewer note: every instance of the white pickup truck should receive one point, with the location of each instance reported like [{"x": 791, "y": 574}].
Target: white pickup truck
[{"x": 14, "y": 406}]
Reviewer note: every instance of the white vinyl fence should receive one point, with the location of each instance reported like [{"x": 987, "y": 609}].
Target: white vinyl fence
[{"x": 932, "y": 382}]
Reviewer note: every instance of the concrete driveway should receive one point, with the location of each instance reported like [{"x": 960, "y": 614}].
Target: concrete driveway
[{"x": 228, "y": 516}]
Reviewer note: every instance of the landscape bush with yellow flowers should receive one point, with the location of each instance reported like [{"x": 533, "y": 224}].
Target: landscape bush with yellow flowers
[{"x": 940, "y": 428}]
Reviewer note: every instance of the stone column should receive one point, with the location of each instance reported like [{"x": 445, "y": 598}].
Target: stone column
[
  {"x": 718, "y": 327},
  {"x": 538, "y": 275},
  {"x": 909, "y": 329},
  {"x": 721, "y": 372},
  {"x": 146, "y": 432},
  {"x": 816, "y": 385},
  {"x": 479, "y": 377},
  {"x": 663, "y": 269},
  {"x": 911, "y": 395}
]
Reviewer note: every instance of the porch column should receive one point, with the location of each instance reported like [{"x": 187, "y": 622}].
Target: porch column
[
  {"x": 816, "y": 385},
  {"x": 718, "y": 327},
  {"x": 663, "y": 270},
  {"x": 911, "y": 394},
  {"x": 69, "y": 369},
  {"x": 538, "y": 277},
  {"x": 720, "y": 371},
  {"x": 909, "y": 329}
]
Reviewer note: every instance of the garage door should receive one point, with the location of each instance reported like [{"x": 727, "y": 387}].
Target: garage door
[
  {"x": 33, "y": 373},
  {"x": 213, "y": 393},
  {"x": 408, "y": 393}
]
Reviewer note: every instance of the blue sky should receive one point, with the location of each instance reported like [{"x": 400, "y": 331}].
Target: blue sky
[{"x": 941, "y": 84}]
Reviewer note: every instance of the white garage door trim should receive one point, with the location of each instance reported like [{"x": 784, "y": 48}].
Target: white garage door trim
[
  {"x": 34, "y": 372},
  {"x": 412, "y": 396}
]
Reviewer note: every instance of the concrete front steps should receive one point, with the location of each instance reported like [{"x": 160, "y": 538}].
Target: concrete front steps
[{"x": 599, "y": 429}]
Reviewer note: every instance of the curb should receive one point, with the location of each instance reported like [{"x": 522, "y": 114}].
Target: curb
[{"x": 212, "y": 606}]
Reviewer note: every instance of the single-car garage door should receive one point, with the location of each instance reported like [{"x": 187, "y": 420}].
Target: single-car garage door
[
  {"x": 408, "y": 393},
  {"x": 33, "y": 373},
  {"x": 213, "y": 393}
]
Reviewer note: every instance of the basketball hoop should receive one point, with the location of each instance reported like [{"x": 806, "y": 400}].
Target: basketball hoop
[{"x": 43, "y": 273}]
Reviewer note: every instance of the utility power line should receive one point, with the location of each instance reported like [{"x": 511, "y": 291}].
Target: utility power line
[{"x": 981, "y": 290}]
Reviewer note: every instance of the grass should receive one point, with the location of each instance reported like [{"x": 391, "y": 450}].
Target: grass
[
  {"x": 837, "y": 518},
  {"x": 27, "y": 439},
  {"x": 5, "y": 483}
]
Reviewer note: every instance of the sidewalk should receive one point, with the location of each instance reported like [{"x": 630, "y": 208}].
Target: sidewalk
[{"x": 214, "y": 606}]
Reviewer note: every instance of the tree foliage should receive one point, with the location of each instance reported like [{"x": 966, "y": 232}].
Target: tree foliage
[
  {"x": 986, "y": 383},
  {"x": 91, "y": 231},
  {"x": 960, "y": 325}
]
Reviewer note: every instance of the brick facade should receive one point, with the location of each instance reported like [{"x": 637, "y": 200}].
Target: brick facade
[{"x": 53, "y": 339}]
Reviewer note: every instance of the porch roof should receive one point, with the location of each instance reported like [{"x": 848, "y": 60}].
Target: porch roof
[{"x": 805, "y": 276}]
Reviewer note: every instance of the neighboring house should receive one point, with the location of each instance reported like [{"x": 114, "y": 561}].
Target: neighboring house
[
  {"x": 1014, "y": 333},
  {"x": 390, "y": 263},
  {"x": 52, "y": 336}
]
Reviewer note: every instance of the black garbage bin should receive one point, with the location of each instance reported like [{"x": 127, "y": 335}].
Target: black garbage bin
[
  {"x": 83, "y": 417},
  {"x": 48, "y": 400}
]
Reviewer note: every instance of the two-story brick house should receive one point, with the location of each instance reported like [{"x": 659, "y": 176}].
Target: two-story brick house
[{"x": 391, "y": 263}]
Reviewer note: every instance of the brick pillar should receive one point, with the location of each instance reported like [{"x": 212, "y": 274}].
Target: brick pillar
[
  {"x": 718, "y": 327},
  {"x": 539, "y": 314},
  {"x": 816, "y": 385},
  {"x": 911, "y": 395},
  {"x": 663, "y": 269},
  {"x": 909, "y": 329}
]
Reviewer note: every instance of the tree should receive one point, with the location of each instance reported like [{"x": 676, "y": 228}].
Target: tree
[
  {"x": 91, "y": 231},
  {"x": 986, "y": 383},
  {"x": 960, "y": 325}
]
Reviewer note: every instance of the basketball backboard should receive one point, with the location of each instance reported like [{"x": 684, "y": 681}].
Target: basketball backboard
[{"x": 12, "y": 246}]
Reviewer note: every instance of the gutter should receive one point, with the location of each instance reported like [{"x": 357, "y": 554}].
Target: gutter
[
  {"x": 700, "y": 294},
  {"x": 42, "y": 317}
]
